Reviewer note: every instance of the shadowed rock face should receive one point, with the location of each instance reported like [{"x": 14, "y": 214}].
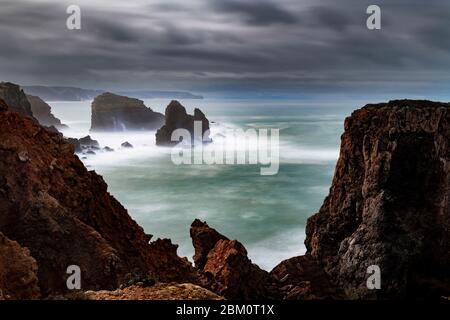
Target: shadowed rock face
[
  {"x": 177, "y": 118},
  {"x": 225, "y": 267},
  {"x": 111, "y": 112},
  {"x": 51, "y": 204},
  {"x": 43, "y": 113},
  {"x": 204, "y": 238},
  {"x": 389, "y": 203},
  {"x": 18, "y": 272},
  {"x": 15, "y": 98}
]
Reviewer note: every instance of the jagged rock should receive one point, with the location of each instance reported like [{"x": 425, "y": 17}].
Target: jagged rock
[
  {"x": 75, "y": 143},
  {"x": 108, "y": 149},
  {"x": 389, "y": 203},
  {"x": 111, "y": 112},
  {"x": 18, "y": 272},
  {"x": 43, "y": 113},
  {"x": 88, "y": 142},
  {"x": 15, "y": 98},
  {"x": 204, "y": 238},
  {"x": 177, "y": 118},
  {"x": 64, "y": 215},
  {"x": 302, "y": 278},
  {"x": 233, "y": 274},
  {"x": 126, "y": 145},
  {"x": 225, "y": 268}
]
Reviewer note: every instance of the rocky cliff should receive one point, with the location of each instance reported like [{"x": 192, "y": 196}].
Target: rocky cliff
[
  {"x": 389, "y": 203},
  {"x": 111, "y": 112},
  {"x": 178, "y": 118},
  {"x": 15, "y": 98},
  {"x": 388, "y": 206},
  {"x": 63, "y": 213},
  {"x": 43, "y": 113}
]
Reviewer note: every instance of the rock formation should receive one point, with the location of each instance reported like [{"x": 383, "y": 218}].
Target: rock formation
[
  {"x": 388, "y": 206},
  {"x": 126, "y": 144},
  {"x": 15, "y": 98},
  {"x": 302, "y": 278},
  {"x": 43, "y": 113},
  {"x": 389, "y": 203},
  {"x": 84, "y": 145},
  {"x": 63, "y": 213},
  {"x": 225, "y": 267},
  {"x": 18, "y": 272},
  {"x": 111, "y": 112},
  {"x": 177, "y": 118},
  {"x": 204, "y": 238}
]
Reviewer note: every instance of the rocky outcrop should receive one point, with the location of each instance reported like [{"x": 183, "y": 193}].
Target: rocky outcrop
[
  {"x": 126, "y": 144},
  {"x": 177, "y": 118},
  {"x": 84, "y": 145},
  {"x": 18, "y": 272},
  {"x": 389, "y": 203},
  {"x": 227, "y": 270},
  {"x": 111, "y": 112},
  {"x": 43, "y": 113},
  {"x": 63, "y": 213},
  {"x": 204, "y": 238},
  {"x": 15, "y": 98}
]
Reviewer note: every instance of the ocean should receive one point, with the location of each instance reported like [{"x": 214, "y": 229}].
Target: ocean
[{"x": 267, "y": 214}]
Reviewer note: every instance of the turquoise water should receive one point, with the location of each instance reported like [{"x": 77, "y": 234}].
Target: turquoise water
[{"x": 266, "y": 213}]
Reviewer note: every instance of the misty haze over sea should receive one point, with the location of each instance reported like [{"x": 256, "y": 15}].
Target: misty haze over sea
[{"x": 267, "y": 213}]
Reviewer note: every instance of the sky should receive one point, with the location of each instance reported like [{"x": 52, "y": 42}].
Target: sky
[{"x": 253, "y": 47}]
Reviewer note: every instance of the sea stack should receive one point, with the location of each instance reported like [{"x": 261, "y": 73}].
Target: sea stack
[
  {"x": 43, "y": 113},
  {"x": 111, "y": 112},
  {"x": 178, "y": 118}
]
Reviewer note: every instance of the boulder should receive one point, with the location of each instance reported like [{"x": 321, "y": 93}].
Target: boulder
[
  {"x": 177, "y": 118},
  {"x": 126, "y": 144},
  {"x": 87, "y": 142},
  {"x": 111, "y": 112}
]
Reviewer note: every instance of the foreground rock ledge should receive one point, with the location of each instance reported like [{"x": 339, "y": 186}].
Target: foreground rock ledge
[{"x": 161, "y": 291}]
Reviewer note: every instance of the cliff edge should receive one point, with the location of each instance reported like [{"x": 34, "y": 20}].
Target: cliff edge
[{"x": 389, "y": 203}]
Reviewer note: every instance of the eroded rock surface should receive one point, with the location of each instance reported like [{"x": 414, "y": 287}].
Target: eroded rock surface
[
  {"x": 178, "y": 118},
  {"x": 112, "y": 112},
  {"x": 389, "y": 203}
]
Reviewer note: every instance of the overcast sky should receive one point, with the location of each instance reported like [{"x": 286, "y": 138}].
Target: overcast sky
[{"x": 274, "y": 46}]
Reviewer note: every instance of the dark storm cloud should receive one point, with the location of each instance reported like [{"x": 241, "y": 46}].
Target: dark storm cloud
[
  {"x": 282, "y": 45},
  {"x": 258, "y": 13}
]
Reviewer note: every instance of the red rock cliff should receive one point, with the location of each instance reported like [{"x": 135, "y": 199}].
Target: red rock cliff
[{"x": 51, "y": 204}]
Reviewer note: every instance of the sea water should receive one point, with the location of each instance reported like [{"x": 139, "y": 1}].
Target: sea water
[{"x": 267, "y": 214}]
